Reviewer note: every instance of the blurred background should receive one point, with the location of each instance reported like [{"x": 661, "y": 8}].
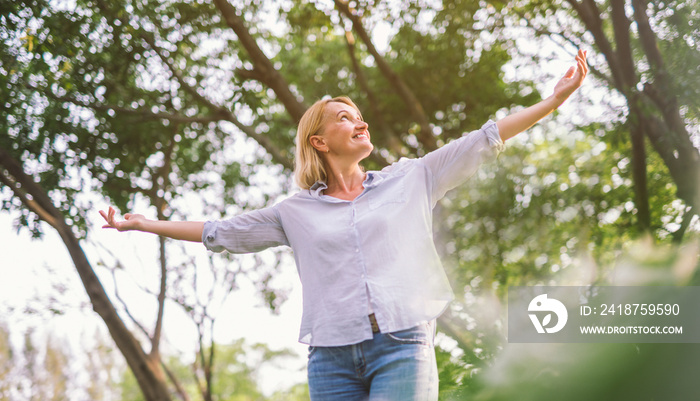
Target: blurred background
[{"x": 187, "y": 110}]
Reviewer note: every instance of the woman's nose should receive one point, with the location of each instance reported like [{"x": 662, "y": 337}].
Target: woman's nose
[{"x": 362, "y": 124}]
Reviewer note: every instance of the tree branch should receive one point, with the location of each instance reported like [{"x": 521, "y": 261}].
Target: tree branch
[
  {"x": 277, "y": 83},
  {"x": 665, "y": 98},
  {"x": 157, "y": 331},
  {"x": 146, "y": 113},
  {"x": 621, "y": 26},
  {"x": 668, "y": 135},
  {"x": 121, "y": 300},
  {"x": 210, "y": 363},
  {"x": 410, "y": 100},
  {"x": 628, "y": 83},
  {"x": 590, "y": 15},
  {"x": 149, "y": 377},
  {"x": 206, "y": 390},
  {"x": 161, "y": 181},
  {"x": 246, "y": 75},
  {"x": 277, "y": 154},
  {"x": 392, "y": 139},
  {"x": 262, "y": 65},
  {"x": 639, "y": 171},
  {"x": 549, "y": 34},
  {"x": 685, "y": 223},
  {"x": 26, "y": 199},
  {"x": 179, "y": 389},
  {"x": 647, "y": 36},
  {"x": 684, "y": 170}
]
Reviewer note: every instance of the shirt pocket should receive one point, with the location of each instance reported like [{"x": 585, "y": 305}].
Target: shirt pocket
[{"x": 390, "y": 192}]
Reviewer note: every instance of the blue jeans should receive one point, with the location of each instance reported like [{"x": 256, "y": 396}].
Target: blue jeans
[{"x": 392, "y": 366}]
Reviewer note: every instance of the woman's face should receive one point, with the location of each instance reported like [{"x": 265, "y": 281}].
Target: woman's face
[{"x": 344, "y": 133}]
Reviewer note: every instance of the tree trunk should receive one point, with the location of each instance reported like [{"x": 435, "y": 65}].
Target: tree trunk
[
  {"x": 147, "y": 372},
  {"x": 653, "y": 111}
]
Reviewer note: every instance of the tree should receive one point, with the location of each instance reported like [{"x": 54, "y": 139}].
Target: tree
[
  {"x": 235, "y": 375},
  {"x": 6, "y": 362},
  {"x": 151, "y": 101},
  {"x": 46, "y": 368},
  {"x": 648, "y": 55},
  {"x": 85, "y": 97}
]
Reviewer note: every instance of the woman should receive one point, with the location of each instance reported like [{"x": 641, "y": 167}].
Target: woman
[{"x": 372, "y": 281}]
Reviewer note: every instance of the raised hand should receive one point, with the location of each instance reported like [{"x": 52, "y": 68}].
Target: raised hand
[
  {"x": 521, "y": 120},
  {"x": 573, "y": 78},
  {"x": 130, "y": 222}
]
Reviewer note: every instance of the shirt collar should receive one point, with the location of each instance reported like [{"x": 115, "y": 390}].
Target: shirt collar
[
  {"x": 372, "y": 180},
  {"x": 317, "y": 189}
]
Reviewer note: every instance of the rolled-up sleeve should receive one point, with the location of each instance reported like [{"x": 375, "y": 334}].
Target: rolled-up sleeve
[
  {"x": 248, "y": 232},
  {"x": 452, "y": 164}
]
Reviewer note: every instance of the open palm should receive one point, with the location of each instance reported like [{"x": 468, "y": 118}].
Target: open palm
[
  {"x": 573, "y": 78},
  {"x": 130, "y": 222}
]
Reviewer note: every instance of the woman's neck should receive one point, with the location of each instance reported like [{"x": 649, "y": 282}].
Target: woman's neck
[{"x": 345, "y": 183}]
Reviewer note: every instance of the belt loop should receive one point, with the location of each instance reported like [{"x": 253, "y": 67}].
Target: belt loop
[{"x": 373, "y": 322}]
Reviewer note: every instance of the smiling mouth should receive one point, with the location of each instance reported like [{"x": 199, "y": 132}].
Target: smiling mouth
[{"x": 361, "y": 136}]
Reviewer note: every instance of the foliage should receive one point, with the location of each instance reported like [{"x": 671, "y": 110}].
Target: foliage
[
  {"x": 648, "y": 53},
  {"x": 531, "y": 215},
  {"x": 601, "y": 371},
  {"x": 158, "y": 103},
  {"x": 236, "y": 375},
  {"x": 44, "y": 367}
]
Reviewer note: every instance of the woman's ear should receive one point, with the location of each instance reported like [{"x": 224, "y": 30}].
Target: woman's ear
[{"x": 318, "y": 143}]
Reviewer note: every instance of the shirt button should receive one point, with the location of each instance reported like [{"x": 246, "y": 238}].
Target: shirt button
[{"x": 357, "y": 250}]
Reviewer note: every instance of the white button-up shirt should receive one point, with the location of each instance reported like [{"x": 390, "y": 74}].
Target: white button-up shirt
[{"x": 375, "y": 252}]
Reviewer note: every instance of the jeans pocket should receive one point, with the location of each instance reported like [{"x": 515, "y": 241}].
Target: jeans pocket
[{"x": 414, "y": 335}]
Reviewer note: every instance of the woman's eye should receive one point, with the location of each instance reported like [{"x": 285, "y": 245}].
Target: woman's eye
[{"x": 344, "y": 117}]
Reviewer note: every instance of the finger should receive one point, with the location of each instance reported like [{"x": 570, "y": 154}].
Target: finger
[
  {"x": 112, "y": 214},
  {"x": 570, "y": 72},
  {"x": 104, "y": 216},
  {"x": 127, "y": 216},
  {"x": 582, "y": 68}
]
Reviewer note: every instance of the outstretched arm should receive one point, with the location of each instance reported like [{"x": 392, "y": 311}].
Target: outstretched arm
[
  {"x": 180, "y": 230},
  {"x": 518, "y": 122}
]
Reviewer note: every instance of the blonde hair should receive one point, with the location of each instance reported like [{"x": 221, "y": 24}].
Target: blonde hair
[{"x": 308, "y": 165}]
